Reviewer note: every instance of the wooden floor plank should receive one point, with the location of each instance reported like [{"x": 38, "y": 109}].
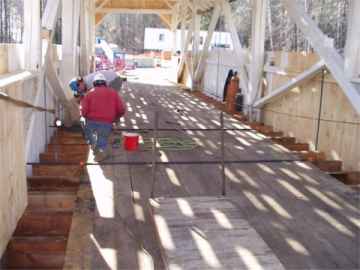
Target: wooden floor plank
[{"x": 213, "y": 235}]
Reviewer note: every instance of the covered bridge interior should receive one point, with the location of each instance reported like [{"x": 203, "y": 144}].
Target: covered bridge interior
[{"x": 273, "y": 186}]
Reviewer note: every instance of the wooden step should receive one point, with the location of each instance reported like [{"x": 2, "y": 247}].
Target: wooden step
[
  {"x": 275, "y": 134},
  {"x": 51, "y": 200},
  {"x": 63, "y": 157},
  {"x": 356, "y": 188},
  {"x": 260, "y": 127},
  {"x": 56, "y": 183},
  {"x": 35, "y": 253},
  {"x": 63, "y": 133},
  {"x": 44, "y": 223},
  {"x": 55, "y": 170},
  {"x": 348, "y": 178},
  {"x": 284, "y": 140},
  {"x": 67, "y": 140},
  {"x": 329, "y": 165},
  {"x": 312, "y": 156},
  {"x": 297, "y": 146},
  {"x": 240, "y": 117},
  {"x": 265, "y": 129},
  {"x": 68, "y": 149},
  {"x": 254, "y": 125}
]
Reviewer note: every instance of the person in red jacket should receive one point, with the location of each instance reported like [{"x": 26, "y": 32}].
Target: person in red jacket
[{"x": 101, "y": 107}]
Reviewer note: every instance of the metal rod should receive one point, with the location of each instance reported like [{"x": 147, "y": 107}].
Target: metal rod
[
  {"x": 320, "y": 110},
  {"x": 186, "y": 129},
  {"x": 154, "y": 163},
  {"x": 164, "y": 163},
  {"x": 223, "y": 154},
  {"x": 177, "y": 129},
  {"x": 63, "y": 144}
]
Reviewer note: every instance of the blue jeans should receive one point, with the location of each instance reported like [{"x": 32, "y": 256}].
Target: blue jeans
[{"x": 97, "y": 133}]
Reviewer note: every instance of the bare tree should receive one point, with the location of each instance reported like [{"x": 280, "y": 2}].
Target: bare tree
[
  {"x": 11, "y": 20},
  {"x": 128, "y": 30}
]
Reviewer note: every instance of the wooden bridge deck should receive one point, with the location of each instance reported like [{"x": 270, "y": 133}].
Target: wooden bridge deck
[{"x": 307, "y": 218}]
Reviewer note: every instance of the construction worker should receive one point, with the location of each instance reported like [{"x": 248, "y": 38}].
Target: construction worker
[
  {"x": 100, "y": 108},
  {"x": 112, "y": 79},
  {"x": 78, "y": 86}
]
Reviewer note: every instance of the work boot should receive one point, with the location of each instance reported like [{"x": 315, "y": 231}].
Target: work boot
[{"x": 101, "y": 155}]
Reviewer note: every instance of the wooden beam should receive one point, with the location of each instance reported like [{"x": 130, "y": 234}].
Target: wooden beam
[
  {"x": 70, "y": 30},
  {"x": 202, "y": 60},
  {"x": 15, "y": 77},
  {"x": 49, "y": 19},
  {"x": 173, "y": 28},
  {"x": 196, "y": 44},
  {"x": 175, "y": 18},
  {"x": 352, "y": 48},
  {"x": 50, "y": 15},
  {"x": 184, "y": 51},
  {"x": 170, "y": 4},
  {"x": 103, "y": 4},
  {"x": 135, "y": 10},
  {"x": 58, "y": 88},
  {"x": 196, "y": 29},
  {"x": 182, "y": 35},
  {"x": 99, "y": 17},
  {"x": 244, "y": 81},
  {"x": 259, "y": 9},
  {"x": 85, "y": 37},
  {"x": 301, "y": 78},
  {"x": 138, "y": 4},
  {"x": 32, "y": 35},
  {"x": 325, "y": 50},
  {"x": 166, "y": 19}
]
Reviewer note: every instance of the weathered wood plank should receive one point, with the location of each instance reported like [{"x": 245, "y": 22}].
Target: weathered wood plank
[
  {"x": 199, "y": 234},
  {"x": 45, "y": 223}
]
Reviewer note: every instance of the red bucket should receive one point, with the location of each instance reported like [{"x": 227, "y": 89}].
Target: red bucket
[{"x": 131, "y": 141}]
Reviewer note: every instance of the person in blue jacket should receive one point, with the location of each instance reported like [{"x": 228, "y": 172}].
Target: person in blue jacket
[{"x": 78, "y": 86}]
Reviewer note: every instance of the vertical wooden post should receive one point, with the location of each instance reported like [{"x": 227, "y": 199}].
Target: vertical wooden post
[
  {"x": 202, "y": 59},
  {"x": 84, "y": 37},
  {"x": 196, "y": 44},
  {"x": 92, "y": 33},
  {"x": 196, "y": 29},
  {"x": 184, "y": 58},
  {"x": 32, "y": 35},
  {"x": 70, "y": 30},
  {"x": 259, "y": 9},
  {"x": 237, "y": 46},
  {"x": 174, "y": 26},
  {"x": 50, "y": 15},
  {"x": 183, "y": 29},
  {"x": 174, "y": 41}
]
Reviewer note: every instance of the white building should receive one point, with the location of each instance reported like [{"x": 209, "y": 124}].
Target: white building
[{"x": 161, "y": 39}]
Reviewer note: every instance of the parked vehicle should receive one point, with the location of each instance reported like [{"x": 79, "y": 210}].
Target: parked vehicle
[
  {"x": 102, "y": 62},
  {"x": 119, "y": 61},
  {"x": 130, "y": 63}
]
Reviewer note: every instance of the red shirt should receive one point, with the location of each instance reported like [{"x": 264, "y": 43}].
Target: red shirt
[{"x": 102, "y": 104}]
